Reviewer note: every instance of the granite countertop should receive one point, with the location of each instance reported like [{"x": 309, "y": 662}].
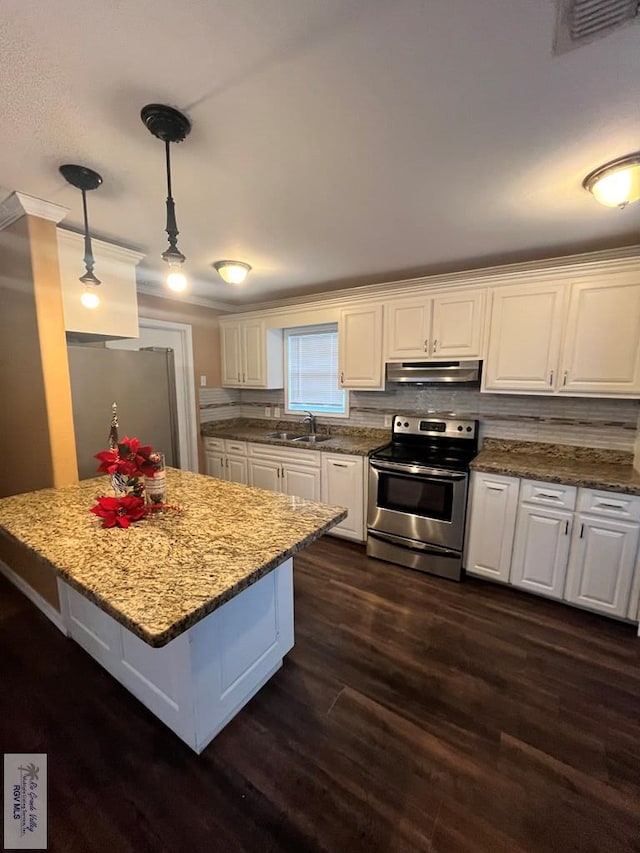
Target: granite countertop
[
  {"x": 595, "y": 468},
  {"x": 353, "y": 440},
  {"x": 163, "y": 574}
]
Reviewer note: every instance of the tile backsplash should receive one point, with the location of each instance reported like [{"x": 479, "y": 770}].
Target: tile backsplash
[{"x": 562, "y": 420}]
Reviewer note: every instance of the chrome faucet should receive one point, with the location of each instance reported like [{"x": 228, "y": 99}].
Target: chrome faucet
[{"x": 310, "y": 419}]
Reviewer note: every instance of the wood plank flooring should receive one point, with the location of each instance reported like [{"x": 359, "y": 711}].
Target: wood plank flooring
[{"x": 413, "y": 714}]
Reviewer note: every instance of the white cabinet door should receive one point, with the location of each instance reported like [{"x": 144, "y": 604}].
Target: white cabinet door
[
  {"x": 457, "y": 325},
  {"x": 237, "y": 470},
  {"x": 215, "y": 464},
  {"x": 231, "y": 345},
  {"x": 493, "y": 506},
  {"x": 602, "y": 345},
  {"x": 253, "y": 368},
  {"x": 360, "y": 347},
  {"x": 541, "y": 550},
  {"x": 524, "y": 338},
  {"x": 342, "y": 485},
  {"x": 407, "y": 328},
  {"x": 602, "y": 562},
  {"x": 301, "y": 482},
  {"x": 265, "y": 474}
]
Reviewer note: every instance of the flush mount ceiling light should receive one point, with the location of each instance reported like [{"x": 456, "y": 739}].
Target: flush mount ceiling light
[
  {"x": 169, "y": 125},
  {"x": 616, "y": 184},
  {"x": 85, "y": 179},
  {"x": 233, "y": 272}
]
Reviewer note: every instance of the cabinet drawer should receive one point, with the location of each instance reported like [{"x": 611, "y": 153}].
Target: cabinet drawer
[
  {"x": 297, "y": 456},
  {"x": 548, "y": 494},
  {"x": 237, "y": 447},
  {"x": 609, "y": 504},
  {"x": 216, "y": 444}
]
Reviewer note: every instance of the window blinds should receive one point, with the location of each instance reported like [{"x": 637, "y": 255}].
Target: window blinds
[{"x": 312, "y": 370}]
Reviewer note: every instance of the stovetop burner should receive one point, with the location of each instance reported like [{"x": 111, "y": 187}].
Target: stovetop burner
[{"x": 431, "y": 441}]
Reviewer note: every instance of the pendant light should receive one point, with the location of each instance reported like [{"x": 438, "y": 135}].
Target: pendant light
[
  {"x": 616, "y": 184},
  {"x": 233, "y": 272},
  {"x": 85, "y": 179},
  {"x": 169, "y": 125}
]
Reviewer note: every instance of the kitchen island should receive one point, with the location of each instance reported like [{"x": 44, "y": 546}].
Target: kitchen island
[{"x": 192, "y": 608}]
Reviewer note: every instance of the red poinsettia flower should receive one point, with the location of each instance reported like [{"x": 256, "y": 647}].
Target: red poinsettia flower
[{"x": 119, "y": 512}]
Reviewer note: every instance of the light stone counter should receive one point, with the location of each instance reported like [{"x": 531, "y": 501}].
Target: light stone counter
[{"x": 162, "y": 575}]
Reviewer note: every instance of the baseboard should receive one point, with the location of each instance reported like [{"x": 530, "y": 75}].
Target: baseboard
[{"x": 42, "y": 604}]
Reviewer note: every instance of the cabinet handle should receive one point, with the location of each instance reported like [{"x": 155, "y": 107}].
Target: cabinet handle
[
  {"x": 338, "y": 464},
  {"x": 606, "y": 505},
  {"x": 282, "y": 475},
  {"x": 226, "y": 462},
  {"x": 549, "y": 497},
  {"x": 495, "y": 488},
  {"x": 426, "y": 344},
  {"x": 243, "y": 379},
  {"x": 564, "y": 378},
  {"x": 551, "y": 378},
  {"x": 278, "y": 473},
  {"x": 566, "y": 528},
  {"x": 581, "y": 530},
  {"x": 342, "y": 377},
  {"x": 435, "y": 345}
]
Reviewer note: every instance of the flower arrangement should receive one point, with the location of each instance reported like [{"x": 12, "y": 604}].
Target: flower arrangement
[{"x": 127, "y": 462}]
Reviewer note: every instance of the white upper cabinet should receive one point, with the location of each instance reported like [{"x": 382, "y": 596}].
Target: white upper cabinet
[
  {"x": 602, "y": 345},
  {"x": 524, "y": 338},
  {"x": 444, "y": 326},
  {"x": 117, "y": 314},
  {"x": 579, "y": 338},
  {"x": 360, "y": 347},
  {"x": 252, "y": 355}
]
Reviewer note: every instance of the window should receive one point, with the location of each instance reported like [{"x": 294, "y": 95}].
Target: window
[{"x": 311, "y": 354}]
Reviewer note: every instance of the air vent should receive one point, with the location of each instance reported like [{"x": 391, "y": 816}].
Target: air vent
[{"x": 582, "y": 21}]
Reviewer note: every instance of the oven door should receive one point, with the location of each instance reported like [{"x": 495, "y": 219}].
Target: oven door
[{"x": 424, "y": 504}]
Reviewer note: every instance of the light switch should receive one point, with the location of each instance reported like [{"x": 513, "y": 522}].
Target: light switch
[{"x": 203, "y": 381}]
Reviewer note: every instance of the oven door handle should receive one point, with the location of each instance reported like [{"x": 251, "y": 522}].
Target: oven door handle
[
  {"x": 412, "y": 544},
  {"x": 426, "y": 473}
]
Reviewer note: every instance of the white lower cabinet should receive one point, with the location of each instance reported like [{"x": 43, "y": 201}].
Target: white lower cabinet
[
  {"x": 541, "y": 550},
  {"x": 343, "y": 485},
  {"x": 602, "y": 564},
  {"x": 294, "y": 472},
  {"x": 494, "y": 503},
  {"x": 587, "y": 557},
  {"x": 226, "y": 459}
]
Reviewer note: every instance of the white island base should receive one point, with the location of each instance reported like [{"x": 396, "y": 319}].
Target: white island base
[{"x": 198, "y": 682}]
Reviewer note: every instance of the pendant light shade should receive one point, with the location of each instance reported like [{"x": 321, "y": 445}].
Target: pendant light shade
[
  {"x": 169, "y": 125},
  {"x": 233, "y": 272},
  {"x": 85, "y": 179},
  {"x": 616, "y": 184}
]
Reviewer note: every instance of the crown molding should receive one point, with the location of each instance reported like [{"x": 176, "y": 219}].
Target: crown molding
[
  {"x": 151, "y": 290},
  {"x": 584, "y": 264},
  {"x": 20, "y": 204},
  {"x": 75, "y": 240}
]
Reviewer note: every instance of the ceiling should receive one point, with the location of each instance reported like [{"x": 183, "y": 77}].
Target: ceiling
[{"x": 334, "y": 143}]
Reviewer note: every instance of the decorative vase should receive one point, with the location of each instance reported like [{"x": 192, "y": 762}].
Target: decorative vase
[{"x": 155, "y": 485}]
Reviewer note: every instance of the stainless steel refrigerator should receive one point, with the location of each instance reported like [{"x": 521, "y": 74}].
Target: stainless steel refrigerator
[{"x": 141, "y": 383}]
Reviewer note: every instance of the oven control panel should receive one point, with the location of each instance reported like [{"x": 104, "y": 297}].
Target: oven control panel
[{"x": 427, "y": 425}]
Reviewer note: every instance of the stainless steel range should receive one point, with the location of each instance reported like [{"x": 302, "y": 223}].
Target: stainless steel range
[{"x": 418, "y": 493}]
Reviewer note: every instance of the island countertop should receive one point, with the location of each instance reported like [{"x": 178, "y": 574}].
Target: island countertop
[{"x": 165, "y": 573}]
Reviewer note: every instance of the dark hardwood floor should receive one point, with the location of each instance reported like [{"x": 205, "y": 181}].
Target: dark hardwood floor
[{"x": 413, "y": 714}]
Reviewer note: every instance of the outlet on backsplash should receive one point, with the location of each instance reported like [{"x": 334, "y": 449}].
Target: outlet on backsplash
[
  {"x": 267, "y": 411},
  {"x": 276, "y": 412},
  {"x": 387, "y": 420}
]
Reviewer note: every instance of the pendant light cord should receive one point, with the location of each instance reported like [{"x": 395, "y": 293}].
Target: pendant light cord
[{"x": 89, "y": 261}]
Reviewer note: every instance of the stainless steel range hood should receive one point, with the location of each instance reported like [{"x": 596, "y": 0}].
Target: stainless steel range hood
[{"x": 435, "y": 373}]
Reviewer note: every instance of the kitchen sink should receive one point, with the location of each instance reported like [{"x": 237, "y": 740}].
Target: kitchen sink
[
  {"x": 285, "y": 436},
  {"x": 312, "y": 439}
]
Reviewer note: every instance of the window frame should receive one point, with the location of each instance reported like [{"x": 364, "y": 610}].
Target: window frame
[{"x": 316, "y": 328}]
